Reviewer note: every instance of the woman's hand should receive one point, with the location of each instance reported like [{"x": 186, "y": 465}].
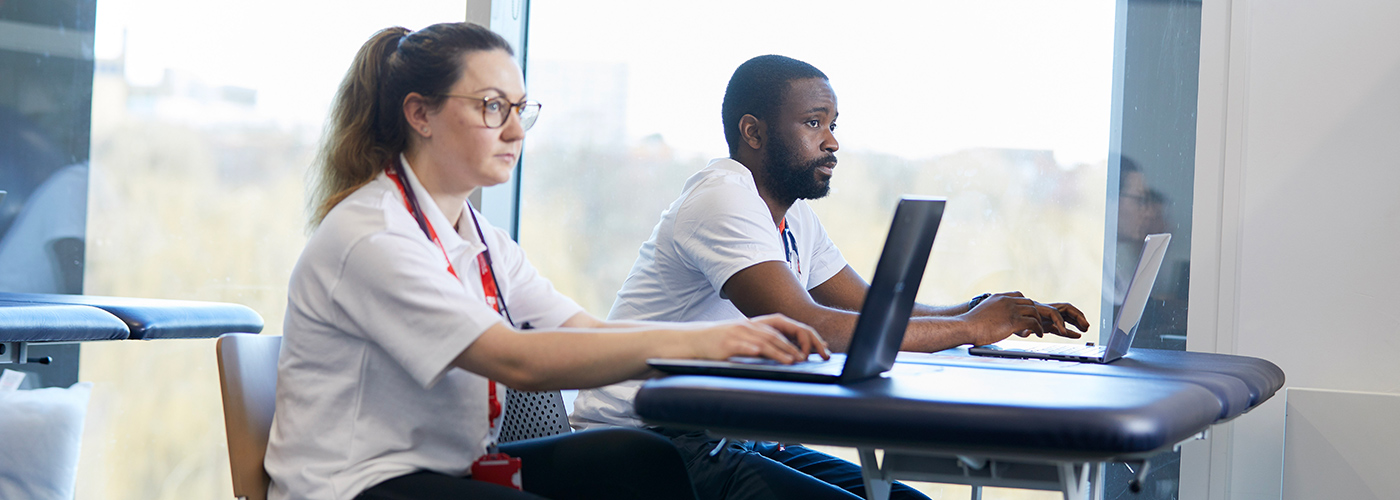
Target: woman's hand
[{"x": 773, "y": 336}]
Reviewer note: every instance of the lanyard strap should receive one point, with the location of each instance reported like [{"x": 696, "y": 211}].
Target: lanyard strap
[
  {"x": 492, "y": 287},
  {"x": 789, "y": 249},
  {"x": 411, "y": 203},
  {"x": 489, "y": 286}
]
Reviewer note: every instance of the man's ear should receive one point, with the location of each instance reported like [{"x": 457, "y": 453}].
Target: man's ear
[
  {"x": 753, "y": 132},
  {"x": 415, "y": 110}
]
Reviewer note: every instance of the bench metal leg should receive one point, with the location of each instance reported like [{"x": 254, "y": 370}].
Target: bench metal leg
[
  {"x": 1082, "y": 481},
  {"x": 877, "y": 481}
]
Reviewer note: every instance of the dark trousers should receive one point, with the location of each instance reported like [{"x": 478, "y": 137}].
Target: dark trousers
[
  {"x": 748, "y": 470},
  {"x": 607, "y": 463}
]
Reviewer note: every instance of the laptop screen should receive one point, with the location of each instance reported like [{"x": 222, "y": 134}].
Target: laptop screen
[
  {"x": 885, "y": 313},
  {"x": 1154, "y": 249}
]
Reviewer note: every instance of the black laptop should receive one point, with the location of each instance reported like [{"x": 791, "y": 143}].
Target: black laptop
[
  {"x": 883, "y": 317},
  {"x": 1125, "y": 326}
]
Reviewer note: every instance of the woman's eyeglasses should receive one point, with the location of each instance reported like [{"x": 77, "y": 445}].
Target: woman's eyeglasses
[{"x": 496, "y": 110}]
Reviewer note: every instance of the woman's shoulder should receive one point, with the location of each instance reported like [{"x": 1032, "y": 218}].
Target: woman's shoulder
[
  {"x": 360, "y": 212},
  {"x": 366, "y": 213}
]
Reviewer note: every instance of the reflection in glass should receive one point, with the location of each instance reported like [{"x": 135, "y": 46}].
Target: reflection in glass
[
  {"x": 45, "y": 108},
  {"x": 1156, "y": 175}
]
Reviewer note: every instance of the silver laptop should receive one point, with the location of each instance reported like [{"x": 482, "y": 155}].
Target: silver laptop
[
  {"x": 1124, "y": 327},
  {"x": 883, "y": 317}
]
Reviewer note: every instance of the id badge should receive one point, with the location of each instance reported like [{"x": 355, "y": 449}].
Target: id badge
[{"x": 498, "y": 468}]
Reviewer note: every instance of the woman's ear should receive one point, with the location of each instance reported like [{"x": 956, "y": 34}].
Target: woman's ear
[{"x": 415, "y": 110}]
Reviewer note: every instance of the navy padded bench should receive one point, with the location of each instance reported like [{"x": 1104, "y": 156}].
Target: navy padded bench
[
  {"x": 951, "y": 417},
  {"x": 149, "y": 319}
]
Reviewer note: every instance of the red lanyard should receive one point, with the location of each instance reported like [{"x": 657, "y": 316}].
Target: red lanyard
[
  {"x": 789, "y": 252},
  {"x": 488, "y": 278}
]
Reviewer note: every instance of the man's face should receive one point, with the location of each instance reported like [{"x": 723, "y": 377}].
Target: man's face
[
  {"x": 1132, "y": 204},
  {"x": 800, "y": 154}
]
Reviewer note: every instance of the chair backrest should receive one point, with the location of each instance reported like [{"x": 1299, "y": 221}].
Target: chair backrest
[
  {"x": 533, "y": 414},
  {"x": 248, "y": 377}
]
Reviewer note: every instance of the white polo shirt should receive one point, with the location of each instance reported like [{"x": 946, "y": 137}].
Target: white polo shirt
[
  {"x": 718, "y": 227},
  {"x": 366, "y": 391}
]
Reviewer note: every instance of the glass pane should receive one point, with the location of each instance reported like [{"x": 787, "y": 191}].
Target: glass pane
[
  {"x": 1157, "y": 173},
  {"x": 205, "y": 119},
  {"x": 45, "y": 111},
  {"x": 1155, "y": 189},
  {"x": 1003, "y": 107}
]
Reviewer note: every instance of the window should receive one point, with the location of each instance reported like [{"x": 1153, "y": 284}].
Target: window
[
  {"x": 206, "y": 116},
  {"x": 1003, "y": 107},
  {"x": 196, "y": 136},
  {"x": 1023, "y": 114}
]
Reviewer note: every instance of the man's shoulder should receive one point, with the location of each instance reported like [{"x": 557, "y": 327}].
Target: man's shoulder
[
  {"x": 722, "y": 187},
  {"x": 719, "y": 173}
]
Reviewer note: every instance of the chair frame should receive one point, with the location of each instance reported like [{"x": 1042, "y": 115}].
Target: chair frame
[{"x": 248, "y": 379}]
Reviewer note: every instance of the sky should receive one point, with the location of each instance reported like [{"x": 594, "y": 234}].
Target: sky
[
  {"x": 922, "y": 79},
  {"x": 914, "y": 79}
]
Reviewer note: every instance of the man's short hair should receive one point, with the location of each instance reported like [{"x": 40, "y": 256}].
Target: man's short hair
[{"x": 757, "y": 88}]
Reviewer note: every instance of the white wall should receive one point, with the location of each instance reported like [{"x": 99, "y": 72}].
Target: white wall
[{"x": 1297, "y": 219}]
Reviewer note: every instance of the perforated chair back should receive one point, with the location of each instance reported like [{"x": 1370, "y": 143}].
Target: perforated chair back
[
  {"x": 248, "y": 377},
  {"x": 533, "y": 414}
]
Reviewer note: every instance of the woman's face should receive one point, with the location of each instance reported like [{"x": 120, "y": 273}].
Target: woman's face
[{"x": 470, "y": 153}]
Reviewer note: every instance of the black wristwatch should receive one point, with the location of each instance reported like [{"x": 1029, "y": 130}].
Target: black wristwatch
[{"x": 972, "y": 304}]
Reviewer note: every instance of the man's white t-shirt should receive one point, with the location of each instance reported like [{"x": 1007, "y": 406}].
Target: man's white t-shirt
[
  {"x": 718, "y": 227},
  {"x": 366, "y": 391}
]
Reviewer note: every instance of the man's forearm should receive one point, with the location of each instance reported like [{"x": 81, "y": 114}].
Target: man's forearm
[
  {"x": 935, "y": 333},
  {"x": 921, "y": 310},
  {"x": 924, "y": 333}
]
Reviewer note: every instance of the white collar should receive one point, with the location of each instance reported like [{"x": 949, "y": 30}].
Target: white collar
[{"x": 452, "y": 240}]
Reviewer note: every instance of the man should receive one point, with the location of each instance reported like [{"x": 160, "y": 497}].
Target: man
[
  {"x": 741, "y": 241},
  {"x": 1141, "y": 211}
]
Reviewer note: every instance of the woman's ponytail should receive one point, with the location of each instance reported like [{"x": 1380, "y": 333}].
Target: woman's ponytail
[
  {"x": 367, "y": 127},
  {"x": 351, "y": 154}
]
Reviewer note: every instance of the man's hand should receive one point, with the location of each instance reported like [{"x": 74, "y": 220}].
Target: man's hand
[
  {"x": 1003, "y": 314},
  {"x": 1055, "y": 318}
]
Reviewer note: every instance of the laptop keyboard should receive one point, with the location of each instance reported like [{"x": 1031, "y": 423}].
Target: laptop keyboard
[
  {"x": 814, "y": 364},
  {"x": 1067, "y": 349}
]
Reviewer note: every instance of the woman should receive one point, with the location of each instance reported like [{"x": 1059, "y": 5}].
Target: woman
[{"x": 406, "y": 308}]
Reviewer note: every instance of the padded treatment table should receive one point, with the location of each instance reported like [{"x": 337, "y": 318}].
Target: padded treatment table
[
  {"x": 149, "y": 319},
  {"x": 50, "y": 318},
  {"x": 21, "y": 323},
  {"x": 1240, "y": 382},
  {"x": 949, "y": 417}
]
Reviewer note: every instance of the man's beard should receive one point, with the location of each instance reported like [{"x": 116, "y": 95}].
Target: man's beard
[{"x": 789, "y": 177}]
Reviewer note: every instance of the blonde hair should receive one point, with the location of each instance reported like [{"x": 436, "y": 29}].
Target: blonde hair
[{"x": 367, "y": 127}]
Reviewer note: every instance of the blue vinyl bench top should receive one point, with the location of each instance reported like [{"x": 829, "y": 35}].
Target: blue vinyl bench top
[
  {"x": 1240, "y": 382},
  {"x": 159, "y": 318},
  {"x": 950, "y": 408},
  {"x": 25, "y": 322}
]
